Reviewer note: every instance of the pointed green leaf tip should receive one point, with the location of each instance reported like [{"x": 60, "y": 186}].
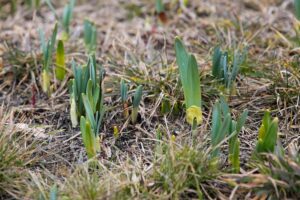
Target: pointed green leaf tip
[
  {"x": 189, "y": 75},
  {"x": 137, "y": 96},
  {"x": 268, "y": 133},
  {"x": 159, "y": 6}
]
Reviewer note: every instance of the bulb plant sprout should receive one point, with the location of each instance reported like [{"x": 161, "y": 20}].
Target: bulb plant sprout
[
  {"x": 87, "y": 103},
  {"x": 267, "y": 135},
  {"x": 124, "y": 97},
  {"x": 47, "y": 49},
  {"x": 135, "y": 103},
  {"x": 224, "y": 126},
  {"x": 90, "y": 125},
  {"x": 223, "y": 70},
  {"x": 190, "y": 81},
  {"x": 66, "y": 17},
  {"x": 90, "y": 36},
  {"x": 60, "y": 70},
  {"x": 85, "y": 82}
]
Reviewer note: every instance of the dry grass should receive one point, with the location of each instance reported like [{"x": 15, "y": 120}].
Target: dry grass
[{"x": 135, "y": 46}]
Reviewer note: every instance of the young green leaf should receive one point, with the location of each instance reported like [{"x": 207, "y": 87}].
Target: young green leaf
[
  {"x": 53, "y": 193},
  {"x": 124, "y": 91},
  {"x": 60, "y": 69},
  {"x": 159, "y": 6},
  {"x": 90, "y": 36},
  {"x": 216, "y": 63},
  {"x": 88, "y": 137},
  {"x": 189, "y": 76},
  {"x": 267, "y": 137},
  {"x": 297, "y": 8},
  {"x": 67, "y": 15},
  {"x": 136, "y": 102},
  {"x": 137, "y": 97},
  {"x": 89, "y": 111}
]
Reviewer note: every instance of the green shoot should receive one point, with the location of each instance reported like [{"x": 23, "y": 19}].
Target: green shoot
[
  {"x": 90, "y": 36},
  {"x": 33, "y": 3},
  {"x": 297, "y": 8},
  {"x": 67, "y": 17},
  {"x": 90, "y": 126},
  {"x": 60, "y": 70},
  {"x": 136, "y": 102},
  {"x": 47, "y": 49},
  {"x": 124, "y": 97},
  {"x": 224, "y": 126},
  {"x": 190, "y": 80},
  {"x": 223, "y": 70},
  {"x": 159, "y": 6},
  {"x": 234, "y": 142},
  {"x": 53, "y": 193},
  {"x": 165, "y": 106},
  {"x": 87, "y": 103},
  {"x": 267, "y": 135},
  {"x": 116, "y": 132}
]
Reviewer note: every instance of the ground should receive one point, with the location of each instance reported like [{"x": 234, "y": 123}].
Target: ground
[{"x": 153, "y": 158}]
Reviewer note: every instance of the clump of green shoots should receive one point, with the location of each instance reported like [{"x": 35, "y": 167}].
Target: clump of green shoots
[
  {"x": 90, "y": 36},
  {"x": 190, "y": 81},
  {"x": 87, "y": 103},
  {"x": 224, "y": 70},
  {"x": 60, "y": 70},
  {"x": 135, "y": 103},
  {"x": 267, "y": 135},
  {"x": 224, "y": 126},
  {"x": 79, "y": 85},
  {"x": 47, "y": 49},
  {"x": 124, "y": 97}
]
